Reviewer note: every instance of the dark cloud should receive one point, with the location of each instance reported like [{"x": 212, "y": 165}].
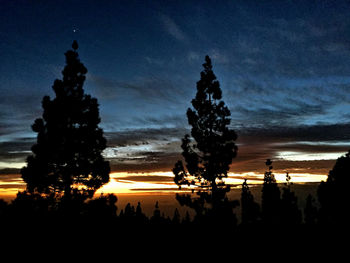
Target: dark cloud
[
  {"x": 16, "y": 150},
  {"x": 11, "y": 181},
  {"x": 331, "y": 132},
  {"x": 258, "y": 144},
  {"x": 255, "y": 145},
  {"x": 9, "y": 172}
]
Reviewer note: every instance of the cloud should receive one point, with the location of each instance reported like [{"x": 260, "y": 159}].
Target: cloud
[
  {"x": 14, "y": 153},
  {"x": 218, "y": 56},
  {"x": 17, "y": 112},
  {"x": 159, "y": 149},
  {"x": 261, "y": 102},
  {"x": 314, "y": 133},
  {"x": 148, "y": 89},
  {"x": 255, "y": 145},
  {"x": 193, "y": 56},
  {"x": 148, "y": 178},
  {"x": 10, "y": 180},
  {"x": 172, "y": 28},
  {"x": 314, "y": 45}
]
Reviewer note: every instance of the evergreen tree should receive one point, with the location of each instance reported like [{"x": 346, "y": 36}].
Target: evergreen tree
[
  {"x": 156, "y": 218},
  {"x": 141, "y": 218},
  {"x": 67, "y": 157},
  {"x": 176, "y": 217},
  {"x": 250, "y": 209},
  {"x": 270, "y": 199},
  {"x": 209, "y": 153},
  {"x": 310, "y": 211},
  {"x": 290, "y": 212},
  {"x": 187, "y": 219},
  {"x": 101, "y": 208},
  {"x": 333, "y": 194}
]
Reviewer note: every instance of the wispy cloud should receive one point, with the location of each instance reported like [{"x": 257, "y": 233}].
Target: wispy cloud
[
  {"x": 148, "y": 89},
  {"x": 172, "y": 28}
]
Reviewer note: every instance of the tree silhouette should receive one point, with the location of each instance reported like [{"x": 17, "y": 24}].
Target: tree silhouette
[
  {"x": 176, "y": 217},
  {"x": 3, "y": 208},
  {"x": 310, "y": 211},
  {"x": 250, "y": 209},
  {"x": 156, "y": 218},
  {"x": 102, "y": 208},
  {"x": 211, "y": 149},
  {"x": 208, "y": 153},
  {"x": 67, "y": 157},
  {"x": 270, "y": 199},
  {"x": 333, "y": 194},
  {"x": 290, "y": 212}
]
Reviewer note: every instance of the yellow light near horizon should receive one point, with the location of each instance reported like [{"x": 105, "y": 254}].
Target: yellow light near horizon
[
  {"x": 302, "y": 177},
  {"x": 126, "y": 174},
  {"x": 119, "y": 184}
]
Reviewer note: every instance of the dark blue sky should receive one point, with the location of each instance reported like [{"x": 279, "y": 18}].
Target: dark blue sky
[{"x": 284, "y": 68}]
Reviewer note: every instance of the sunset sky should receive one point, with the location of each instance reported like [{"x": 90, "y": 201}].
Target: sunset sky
[{"x": 283, "y": 66}]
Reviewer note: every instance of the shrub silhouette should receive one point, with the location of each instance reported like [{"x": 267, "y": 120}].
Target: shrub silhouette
[{"x": 67, "y": 157}]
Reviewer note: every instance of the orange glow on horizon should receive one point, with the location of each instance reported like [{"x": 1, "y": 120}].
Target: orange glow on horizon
[
  {"x": 162, "y": 182},
  {"x": 119, "y": 182}
]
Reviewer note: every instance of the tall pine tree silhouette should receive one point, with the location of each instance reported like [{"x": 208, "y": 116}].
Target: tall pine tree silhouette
[
  {"x": 67, "y": 157},
  {"x": 209, "y": 152}
]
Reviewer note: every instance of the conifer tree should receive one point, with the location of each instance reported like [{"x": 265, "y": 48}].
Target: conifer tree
[
  {"x": 290, "y": 212},
  {"x": 250, "y": 209},
  {"x": 176, "y": 217},
  {"x": 270, "y": 199},
  {"x": 333, "y": 194},
  {"x": 209, "y": 151},
  {"x": 67, "y": 157},
  {"x": 310, "y": 211}
]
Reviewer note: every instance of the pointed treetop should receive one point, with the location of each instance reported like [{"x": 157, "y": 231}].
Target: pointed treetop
[
  {"x": 75, "y": 45},
  {"x": 207, "y": 65},
  {"x": 207, "y": 60}
]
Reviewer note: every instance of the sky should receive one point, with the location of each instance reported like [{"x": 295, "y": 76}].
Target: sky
[{"x": 283, "y": 66}]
